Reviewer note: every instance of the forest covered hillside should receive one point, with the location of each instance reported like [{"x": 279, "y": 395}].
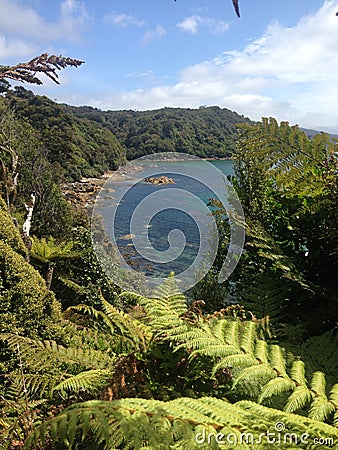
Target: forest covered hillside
[
  {"x": 207, "y": 132},
  {"x": 85, "y": 141},
  {"x": 78, "y": 147}
]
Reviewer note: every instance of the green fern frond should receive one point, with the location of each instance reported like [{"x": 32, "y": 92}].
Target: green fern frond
[
  {"x": 299, "y": 399},
  {"x": 164, "y": 309},
  {"x": 321, "y": 409},
  {"x": 248, "y": 338},
  {"x": 257, "y": 373},
  {"x": 126, "y": 324},
  {"x": 138, "y": 423},
  {"x": 46, "y": 363},
  {"x": 128, "y": 333},
  {"x": 36, "y": 384},
  {"x": 334, "y": 394},
  {"x": 232, "y": 333},
  {"x": 277, "y": 360},
  {"x": 318, "y": 384},
  {"x": 276, "y": 386},
  {"x": 238, "y": 361},
  {"x": 294, "y": 422},
  {"x": 297, "y": 373},
  {"x": 89, "y": 381},
  {"x": 261, "y": 351},
  {"x": 168, "y": 288}
]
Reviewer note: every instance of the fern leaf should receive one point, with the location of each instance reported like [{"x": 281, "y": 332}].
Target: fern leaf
[
  {"x": 87, "y": 381},
  {"x": 236, "y": 360},
  {"x": 261, "y": 351},
  {"x": 257, "y": 373},
  {"x": 298, "y": 399},
  {"x": 276, "y": 386},
  {"x": 334, "y": 395},
  {"x": 318, "y": 384},
  {"x": 298, "y": 373},
  {"x": 321, "y": 409},
  {"x": 277, "y": 360},
  {"x": 248, "y": 338}
]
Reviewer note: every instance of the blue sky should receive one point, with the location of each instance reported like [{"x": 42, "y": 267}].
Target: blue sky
[{"x": 279, "y": 59}]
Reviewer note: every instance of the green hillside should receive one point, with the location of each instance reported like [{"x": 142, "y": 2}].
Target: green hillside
[
  {"x": 85, "y": 141},
  {"x": 76, "y": 146},
  {"x": 204, "y": 132}
]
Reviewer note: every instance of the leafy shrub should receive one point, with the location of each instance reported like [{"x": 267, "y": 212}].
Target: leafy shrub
[{"x": 26, "y": 306}]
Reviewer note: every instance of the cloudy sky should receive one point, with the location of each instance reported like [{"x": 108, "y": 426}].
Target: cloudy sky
[{"x": 279, "y": 59}]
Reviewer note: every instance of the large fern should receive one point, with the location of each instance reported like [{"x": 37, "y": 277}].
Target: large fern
[
  {"x": 260, "y": 370},
  {"x": 227, "y": 350},
  {"x": 183, "y": 423}
]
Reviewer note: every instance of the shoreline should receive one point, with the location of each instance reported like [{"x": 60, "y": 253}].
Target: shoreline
[{"x": 83, "y": 192}]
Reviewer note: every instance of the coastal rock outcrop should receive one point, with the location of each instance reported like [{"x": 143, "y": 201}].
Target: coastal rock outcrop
[{"x": 159, "y": 180}]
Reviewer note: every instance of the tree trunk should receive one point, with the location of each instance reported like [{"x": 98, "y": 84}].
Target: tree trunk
[
  {"x": 49, "y": 275},
  {"x": 26, "y": 227}
]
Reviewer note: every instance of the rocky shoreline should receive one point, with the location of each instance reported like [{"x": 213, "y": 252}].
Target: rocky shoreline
[{"x": 83, "y": 193}]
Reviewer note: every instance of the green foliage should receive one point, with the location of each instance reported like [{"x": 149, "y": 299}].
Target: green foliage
[
  {"x": 205, "y": 132},
  {"x": 77, "y": 147},
  {"x": 287, "y": 184},
  {"x": 81, "y": 278},
  {"x": 183, "y": 423},
  {"x": 27, "y": 307},
  {"x": 9, "y": 233},
  {"x": 52, "y": 368},
  {"x": 116, "y": 355},
  {"x": 25, "y": 170},
  {"x": 48, "y": 250}
]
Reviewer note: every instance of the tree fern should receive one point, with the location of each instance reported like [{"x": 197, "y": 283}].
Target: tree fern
[
  {"x": 225, "y": 353},
  {"x": 182, "y": 424},
  {"x": 164, "y": 308}
]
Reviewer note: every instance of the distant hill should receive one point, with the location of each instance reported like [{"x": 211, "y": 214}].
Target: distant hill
[
  {"x": 204, "y": 132},
  {"x": 311, "y": 133},
  {"x": 85, "y": 142}
]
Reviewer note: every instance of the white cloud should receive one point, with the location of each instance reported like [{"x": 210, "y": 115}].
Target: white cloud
[
  {"x": 151, "y": 35},
  {"x": 16, "y": 19},
  {"x": 122, "y": 20},
  {"x": 15, "y": 47},
  {"x": 288, "y": 73},
  {"x": 192, "y": 24},
  {"x": 73, "y": 18}
]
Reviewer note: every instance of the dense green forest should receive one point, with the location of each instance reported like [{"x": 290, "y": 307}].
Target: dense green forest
[
  {"x": 85, "y": 142},
  {"x": 251, "y": 363},
  {"x": 207, "y": 132},
  {"x": 76, "y": 147}
]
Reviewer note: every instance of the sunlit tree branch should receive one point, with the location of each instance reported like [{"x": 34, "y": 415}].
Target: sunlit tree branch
[{"x": 43, "y": 64}]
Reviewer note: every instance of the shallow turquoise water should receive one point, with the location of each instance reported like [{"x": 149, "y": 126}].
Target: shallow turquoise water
[{"x": 168, "y": 218}]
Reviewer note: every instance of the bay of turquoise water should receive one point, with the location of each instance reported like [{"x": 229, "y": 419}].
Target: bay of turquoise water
[{"x": 167, "y": 219}]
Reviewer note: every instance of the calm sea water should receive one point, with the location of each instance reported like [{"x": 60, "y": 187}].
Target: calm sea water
[{"x": 166, "y": 219}]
